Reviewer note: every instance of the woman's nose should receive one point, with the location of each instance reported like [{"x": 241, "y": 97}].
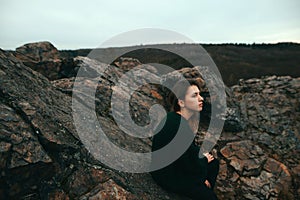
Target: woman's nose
[{"x": 200, "y": 98}]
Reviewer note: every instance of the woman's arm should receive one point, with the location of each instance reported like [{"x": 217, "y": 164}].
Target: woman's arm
[{"x": 192, "y": 164}]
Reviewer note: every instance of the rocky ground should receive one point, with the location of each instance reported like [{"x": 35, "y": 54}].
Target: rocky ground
[{"x": 42, "y": 156}]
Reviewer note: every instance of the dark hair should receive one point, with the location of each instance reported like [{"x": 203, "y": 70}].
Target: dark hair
[{"x": 179, "y": 91}]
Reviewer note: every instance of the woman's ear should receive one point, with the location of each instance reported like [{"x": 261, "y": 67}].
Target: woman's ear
[{"x": 181, "y": 103}]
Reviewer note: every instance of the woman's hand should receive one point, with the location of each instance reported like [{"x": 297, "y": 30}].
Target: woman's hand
[
  {"x": 209, "y": 157},
  {"x": 207, "y": 183}
]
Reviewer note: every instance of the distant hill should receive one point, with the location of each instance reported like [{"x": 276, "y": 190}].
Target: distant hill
[{"x": 235, "y": 61}]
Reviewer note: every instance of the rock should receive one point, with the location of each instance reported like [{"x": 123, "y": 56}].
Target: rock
[
  {"x": 4, "y": 152},
  {"x": 27, "y": 102},
  {"x": 43, "y": 157},
  {"x": 245, "y": 157},
  {"x": 268, "y": 184},
  {"x": 127, "y": 63},
  {"x": 109, "y": 190},
  {"x": 83, "y": 180},
  {"x": 232, "y": 120},
  {"x": 42, "y": 57},
  {"x": 223, "y": 170},
  {"x": 283, "y": 179},
  {"x": 38, "y": 51},
  {"x": 58, "y": 194},
  {"x": 266, "y": 106},
  {"x": 246, "y": 160},
  {"x": 258, "y": 174},
  {"x": 41, "y": 153}
]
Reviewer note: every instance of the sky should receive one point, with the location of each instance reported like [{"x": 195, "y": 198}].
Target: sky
[{"x": 87, "y": 24}]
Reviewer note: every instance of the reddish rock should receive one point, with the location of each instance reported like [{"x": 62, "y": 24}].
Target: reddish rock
[
  {"x": 37, "y": 52},
  {"x": 42, "y": 57},
  {"x": 83, "y": 180},
  {"x": 127, "y": 63},
  {"x": 110, "y": 191},
  {"x": 244, "y": 156},
  {"x": 58, "y": 194}
]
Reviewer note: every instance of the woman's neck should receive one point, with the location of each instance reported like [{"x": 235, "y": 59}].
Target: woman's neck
[
  {"x": 185, "y": 113},
  {"x": 192, "y": 118}
]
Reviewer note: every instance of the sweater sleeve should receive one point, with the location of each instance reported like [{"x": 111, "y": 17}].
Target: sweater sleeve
[
  {"x": 192, "y": 164},
  {"x": 188, "y": 164}
]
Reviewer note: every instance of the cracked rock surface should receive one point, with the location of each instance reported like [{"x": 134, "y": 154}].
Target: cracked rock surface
[{"x": 43, "y": 157}]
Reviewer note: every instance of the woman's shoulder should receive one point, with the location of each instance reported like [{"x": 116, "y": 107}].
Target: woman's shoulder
[
  {"x": 173, "y": 115},
  {"x": 169, "y": 122}
]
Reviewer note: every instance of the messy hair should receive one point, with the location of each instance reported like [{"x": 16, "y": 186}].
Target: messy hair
[{"x": 178, "y": 92}]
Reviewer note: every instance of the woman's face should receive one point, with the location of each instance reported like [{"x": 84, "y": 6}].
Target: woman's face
[{"x": 193, "y": 101}]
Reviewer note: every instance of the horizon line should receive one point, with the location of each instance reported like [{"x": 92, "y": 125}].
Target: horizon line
[{"x": 170, "y": 43}]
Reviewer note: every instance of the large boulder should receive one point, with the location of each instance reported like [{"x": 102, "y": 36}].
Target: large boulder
[
  {"x": 42, "y": 57},
  {"x": 261, "y": 162},
  {"x": 37, "y": 52},
  {"x": 41, "y": 153}
]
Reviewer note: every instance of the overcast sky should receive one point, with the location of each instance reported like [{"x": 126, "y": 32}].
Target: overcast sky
[{"x": 87, "y": 24}]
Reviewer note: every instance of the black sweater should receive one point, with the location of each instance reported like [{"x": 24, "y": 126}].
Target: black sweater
[{"x": 188, "y": 169}]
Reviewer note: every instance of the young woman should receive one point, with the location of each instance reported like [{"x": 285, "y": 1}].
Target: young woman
[{"x": 189, "y": 175}]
